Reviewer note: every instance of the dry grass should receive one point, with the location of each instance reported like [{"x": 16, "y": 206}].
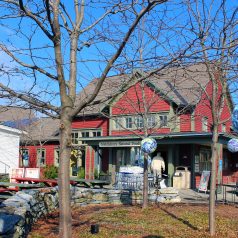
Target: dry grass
[{"x": 178, "y": 221}]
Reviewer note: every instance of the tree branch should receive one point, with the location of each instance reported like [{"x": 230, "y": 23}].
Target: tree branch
[{"x": 33, "y": 67}]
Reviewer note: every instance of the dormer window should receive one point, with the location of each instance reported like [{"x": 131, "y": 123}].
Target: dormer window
[
  {"x": 139, "y": 122},
  {"x": 129, "y": 122},
  {"x": 151, "y": 121},
  {"x": 118, "y": 123},
  {"x": 163, "y": 120}
]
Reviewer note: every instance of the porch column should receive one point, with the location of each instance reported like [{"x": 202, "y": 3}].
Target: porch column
[
  {"x": 112, "y": 165},
  {"x": 171, "y": 160},
  {"x": 89, "y": 162},
  {"x": 219, "y": 163}
]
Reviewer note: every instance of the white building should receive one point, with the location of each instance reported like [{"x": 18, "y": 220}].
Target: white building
[{"x": 9, "y": 148}]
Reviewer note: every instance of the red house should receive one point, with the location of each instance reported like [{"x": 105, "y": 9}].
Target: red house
[{"x": 171, "y": 106}]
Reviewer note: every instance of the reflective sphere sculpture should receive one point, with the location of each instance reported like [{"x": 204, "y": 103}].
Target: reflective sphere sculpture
[
  {"x": 232, "y": 145},
  {"x": 235, "y": 119},
  {"x": 148, "y": 145}
]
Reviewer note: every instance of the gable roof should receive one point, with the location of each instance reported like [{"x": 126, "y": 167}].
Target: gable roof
[
  {"x": 181, "y": 85},
  {"x": 43, "y": 129}
]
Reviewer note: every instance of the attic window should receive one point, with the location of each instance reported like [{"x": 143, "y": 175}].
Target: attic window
[
  {"x": 139, "y": 122},
  {"x": 163, "y": 120},
  {"x": 129, "y": 122},
  {"x": 151, "y": 121}
]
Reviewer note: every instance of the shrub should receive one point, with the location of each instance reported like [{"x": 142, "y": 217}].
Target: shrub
[
  {"x": 96, "y": 175},
  {"x": 81, "y": 173},
  {"x": 50, "y": 172}
]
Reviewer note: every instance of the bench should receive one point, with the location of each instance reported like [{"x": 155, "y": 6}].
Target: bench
[
  {"x": 35, "y": 181},
  {"x": 18, "y": 186},
  {"x": 89, "y": 183}
]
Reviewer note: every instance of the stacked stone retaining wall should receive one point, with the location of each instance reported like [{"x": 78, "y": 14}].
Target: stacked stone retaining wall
[{"x": 19, "y": 212}]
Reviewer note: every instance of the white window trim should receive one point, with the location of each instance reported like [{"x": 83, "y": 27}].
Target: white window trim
[
  {"x": 130, "y": 123},
  {"x": 38, "y": 151},
  {"x": 56, "y": 163}
]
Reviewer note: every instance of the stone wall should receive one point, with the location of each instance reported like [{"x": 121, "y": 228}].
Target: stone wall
[{"x": 19, "y": 212}]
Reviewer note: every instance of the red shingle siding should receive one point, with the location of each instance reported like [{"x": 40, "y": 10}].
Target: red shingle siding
[
  {"x": 126, "y": 132},
  {"x": 131, "y": 102},
  {"x": 185, "y": 123},
  {"x": 92, "y": 123},
  {"x": 49, "y": 150},
  {"x": 225, "y": 118},
  {"x": 203, "y": 109}
]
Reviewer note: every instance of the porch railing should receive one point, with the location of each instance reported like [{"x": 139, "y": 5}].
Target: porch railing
[
  {"x": 5, "y": 166},
  {"x": 227, "y": 193}
]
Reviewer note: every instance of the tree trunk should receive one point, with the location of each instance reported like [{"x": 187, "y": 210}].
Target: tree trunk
[
  {"x": 212, "y": 197},
  {"x": 65, "y": 229},
  {"x": 145, "y": 182}
]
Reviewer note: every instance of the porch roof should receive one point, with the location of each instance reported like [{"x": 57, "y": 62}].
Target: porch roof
[{"x": 171, "y": 138}]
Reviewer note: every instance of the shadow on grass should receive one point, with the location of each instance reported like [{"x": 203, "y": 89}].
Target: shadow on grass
[
  {"x": 153, "y": 236},
  {"x": 179, "y": 219}
]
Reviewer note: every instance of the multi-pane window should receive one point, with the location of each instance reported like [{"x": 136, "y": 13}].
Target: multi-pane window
[
  {"x": 89, "y": 133},
  {"x": 24, "y": 156},
  {"x": 24, "y": 152},
  {"x": 75, "y": 137},
  {"x": 151, "y": 121},
  {"x": 163, "y": 120},
  {"x": 56, "y": 156},
  {"x": 41, "y": 156},
  {"x": 118, "y": 123},
  {"x": 205, "y": 124},
  {"x": 205, "y": 162},
  {"x": 96, "y": 133},
  {"x": 129, "y": 122},
  {"x": 139, "y": 122},
  {"x": 84, "y": 134}
]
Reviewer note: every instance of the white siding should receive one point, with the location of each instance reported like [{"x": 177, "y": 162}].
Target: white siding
[{"x": 9, "y": 149}]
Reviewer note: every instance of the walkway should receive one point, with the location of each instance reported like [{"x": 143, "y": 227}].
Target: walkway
[{"x": 226, "y": 195}]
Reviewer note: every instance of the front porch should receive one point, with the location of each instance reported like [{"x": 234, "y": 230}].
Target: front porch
[{"x": 107, "y": 154}]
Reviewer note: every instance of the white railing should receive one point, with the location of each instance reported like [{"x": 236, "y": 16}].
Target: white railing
[{"x": 6, "y": 166}]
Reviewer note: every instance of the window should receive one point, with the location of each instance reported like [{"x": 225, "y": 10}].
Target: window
[
  {"x": 84, "y": 134},
  {"x": 118, "y": 123},
  {"x": 56, "y": 156},
  {"x": 151, "y": 121},
  {"x": 75, "y": 137},
  {"x": 96, "y": 133},
  {"x": 139, "y": 122},
  {"x": 204, "y": 124},
  {"x": 204, "y": 162},
  {"x": 129, "y": 122},
  {"x": 163, "y": 120},
  {"x": 24, "y": 153},
  {"x": 41, "y": 155}
]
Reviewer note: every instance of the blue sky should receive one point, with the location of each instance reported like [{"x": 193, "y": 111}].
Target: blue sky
[{"x": 162, "y": 34}]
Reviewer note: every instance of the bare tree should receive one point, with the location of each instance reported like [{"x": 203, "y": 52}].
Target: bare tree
[
  {"x": 46, "y": 41},
  {"x": 214, "y": 25}
]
